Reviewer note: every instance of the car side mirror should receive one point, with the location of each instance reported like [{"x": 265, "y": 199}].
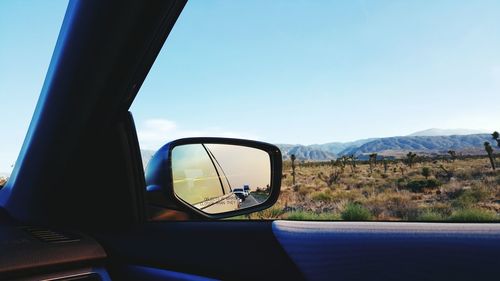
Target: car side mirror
[{"x": 214, "y": 177}]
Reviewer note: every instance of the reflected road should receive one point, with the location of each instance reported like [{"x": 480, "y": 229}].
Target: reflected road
[{"x": 249, "y": 202}]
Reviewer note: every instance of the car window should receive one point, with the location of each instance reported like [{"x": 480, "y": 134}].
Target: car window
[
  {"x": 28, "y": 31},
  {"x": 383, "y": 110}
]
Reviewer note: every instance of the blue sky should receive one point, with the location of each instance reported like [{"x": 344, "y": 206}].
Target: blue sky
[
  {"x": 286, "y": 71},
  {"x": 28, "y": 33}
]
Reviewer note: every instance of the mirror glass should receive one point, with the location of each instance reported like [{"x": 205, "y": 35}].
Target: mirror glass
[{"x": 217, "y": 178}]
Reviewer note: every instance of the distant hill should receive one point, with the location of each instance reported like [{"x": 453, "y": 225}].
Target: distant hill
[
  {"x": 446, "y": 132},
  {"x": 318, "y": 152},
  {"x": 423, "y": 142},
  {"x": 303, "y": 152},
  {"x": 426, "y": 144},
  {"x": 391, "y": 146},
  {"x": 337, "y": 147}
]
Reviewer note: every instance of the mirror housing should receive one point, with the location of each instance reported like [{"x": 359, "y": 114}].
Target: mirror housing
[{"x": 160, "y": 189}]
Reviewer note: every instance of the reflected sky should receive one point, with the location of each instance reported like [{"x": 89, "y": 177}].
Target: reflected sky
[{"x": 243, "y": 165}]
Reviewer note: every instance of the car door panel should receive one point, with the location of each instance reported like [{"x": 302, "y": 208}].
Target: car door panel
[
  {"x": 391, "y": 250},
  {"x": 242, "y": 250},
  {"x": 290, "y": 250}
]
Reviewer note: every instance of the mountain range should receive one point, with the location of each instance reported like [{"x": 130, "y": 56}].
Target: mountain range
[{"x": 431, "y": 141}]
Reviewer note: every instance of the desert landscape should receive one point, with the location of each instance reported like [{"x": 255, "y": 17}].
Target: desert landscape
[{"x": 394, "y": 185}]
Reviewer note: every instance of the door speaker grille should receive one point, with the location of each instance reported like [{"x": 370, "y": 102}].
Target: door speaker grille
[{"x": 51, "y": 236}]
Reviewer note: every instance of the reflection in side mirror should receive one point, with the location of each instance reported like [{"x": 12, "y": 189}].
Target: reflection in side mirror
[
  {"x": 218, "y": 178},
  {"x": 213, "y": 177}
]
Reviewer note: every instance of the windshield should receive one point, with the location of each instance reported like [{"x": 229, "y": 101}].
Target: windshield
[
  {"x": 383, "y": 110},
  {"x": 29, "y": 32}
]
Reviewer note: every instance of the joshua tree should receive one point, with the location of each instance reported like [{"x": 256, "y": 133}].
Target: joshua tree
[
  {"x": 448, "y": 173},
  {"x": 453, "y": 154},
  {"x": 402, "y": 170},
  {"x": 340, "y": 163},
  {"x": 385, "y": 164},
  {"x": 293, "y": 168},
  {"x": 344, "y": 160},
  {"x": 331, "y": 179},
  {"x": 411, "y": 158},
  {"x": 372, "y": 161},
  {"x": 496, "y": 137},
  {"x": 426, "y": 172},
  {"x": 489, "y": 150},
  {"x": 353, "y": 159}
]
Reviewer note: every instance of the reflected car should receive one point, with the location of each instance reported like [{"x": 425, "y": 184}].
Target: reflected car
[
  {"x": 246, "y": 188},
  {"x": 240, "y": 193}
]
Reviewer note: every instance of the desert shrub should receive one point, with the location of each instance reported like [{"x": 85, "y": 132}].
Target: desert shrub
[
  {"x": 464, "y": 201},
  {"x": 305, "y": 190},
  {"x": 429, "y": 215},
  {"x": 385, "y": 185},
  {"x": 321, "y": 197},
  {"x": 356, "y": 212},
  {"x": 349, "y": 195},
  {"x": 477, "y": 173},
  {"x": 444, "y": 209},
  {"x": 419, "y": 185},
  {"x": 480, "y": 192},
  {"x": 376, "y": 205},
  {"x": 303, "y": 215},
  {"x": 473, "y": 215},
  {"x": 488, "y": 181},
  {"x": 402, "y": 206},
  {"x": 412, "y": 174},
  {"x": 469, "y": 174},
  {"x": 393, "y": 205},
  {"x": 426, "y": 172},
  {"x": 300, "y": 215},
  {"x": 401, "y": 182},
  {"x": 462, "y": 174},
  {"x": 433, "y": 183},
  {"x": 274, "y": 212},
  {"x": 465, "y": 198}
]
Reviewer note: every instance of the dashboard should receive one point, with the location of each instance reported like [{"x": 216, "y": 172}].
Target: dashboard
[{"x": 40, "y": 253}]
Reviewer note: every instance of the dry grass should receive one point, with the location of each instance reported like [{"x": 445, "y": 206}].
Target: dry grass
[{"x": 436, "y": 190}]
